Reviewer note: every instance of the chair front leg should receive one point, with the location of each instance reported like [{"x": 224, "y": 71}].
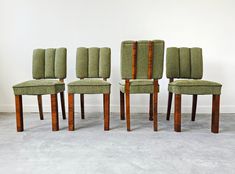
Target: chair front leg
[
  {"x": 54, "y": 112},
  {"x": 82, "y": 106},
  {"x": 71, "y": 111},
  {"x": 127, "y": 88},
  {"x": 194, "y": 107},
  {"x": 106, "y": 111},
  {"x": 177, "y": 113},
  {"x": 40, "y": 106},
  {"x": 122, "y": 106},
  {"x": 62, "y": 105},
  {"x": 215, "y": 114},
  {"x": 155, "y": 106},
  {"x": 151, "y": 107},
  {"x": 19, "y": 113}
]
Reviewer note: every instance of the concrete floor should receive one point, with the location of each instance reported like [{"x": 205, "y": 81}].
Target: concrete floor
[{"x": 89, "y": 149}]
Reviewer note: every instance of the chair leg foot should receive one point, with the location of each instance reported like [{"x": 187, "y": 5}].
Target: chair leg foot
[
  {"x": 177, "y": 113},
  {"x": 62, "y": 105},
  {"x": 151, "y": 107},
  {"x": 106, "y": 111},
  {"x": 122, "y": 106},
  {"x": 19, "y": 113},
  {"x": 54, "y": 112},
  {"x": 215, "y": 114},
  {"x": 40, "y": 107},
  {"x": 194, "y": 107},
  {"x": 71, "y": 111},
  {"x": 82, "y": 106}
]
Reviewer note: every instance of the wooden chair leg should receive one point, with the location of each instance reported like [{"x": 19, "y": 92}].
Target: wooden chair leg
[
  {"x": 194, "y": 107},
  {"x": 122, "y": 106},
  {"x": 19, "y": 113},
  {"x": 169, "y": 106},
  {"x": 151, "y": 107},
  {"x": 106, "y": 111},
  {"x": 177, "y": 113},
  {"x": 215, "y": 114},
  {"x": 155, "y": 106},
  {"x": 40, "y": 107},
  {"x": 71, "y": 111},
  {"x": 127, "y": 88},
  {"x": 62, "y": 105},
  {"x": 54, "y": 112},
  {"x": 82, "y": 106}
]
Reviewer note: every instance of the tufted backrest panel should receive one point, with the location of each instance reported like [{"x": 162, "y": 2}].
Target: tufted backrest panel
[
  {"x": 184, "y": 63},
  {"x": 49, "y": 63},
  {"x": 141, "y": 65},
  {"x": 93, "y": 62}
]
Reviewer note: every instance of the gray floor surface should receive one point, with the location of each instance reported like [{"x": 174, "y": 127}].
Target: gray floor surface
[{"x": 90, "y": 150}]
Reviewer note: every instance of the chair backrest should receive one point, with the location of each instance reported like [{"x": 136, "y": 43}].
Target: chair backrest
[
  {"x": 93, "y": 62},
  {"x": 142, "y": 59},
  {"x": 49, "y": 63},
  {"x": 184, "y": 63}
]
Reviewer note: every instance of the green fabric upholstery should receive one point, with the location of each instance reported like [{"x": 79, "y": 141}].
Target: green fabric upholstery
[
  {"x": 89, "y": 86},
  {"x": 199, "y": 87},
  {"x": 49, "y": 63},
  {"x": 184, "y": 63},
  {"x": 93, "y": 62},
  {"x": 39, "y": 87},
  {"x": 142, "y": 59},
  {"x": 138, "y": 86}
]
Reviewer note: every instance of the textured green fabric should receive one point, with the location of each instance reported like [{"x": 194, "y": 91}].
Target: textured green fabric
[
  {"x": 49, "y": 63},
  {"x": 93, "y": 62},
  {"x": 89, "y": 86},
  {"x": 184, "y": 63},
  {"x": 138, "y": 86},
  {"x": 142, "y": 59},
  {"x": 200, "y": 87},
  {"x": 39, "y": 87}
]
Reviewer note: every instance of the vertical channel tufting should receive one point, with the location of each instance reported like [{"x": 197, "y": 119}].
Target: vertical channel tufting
[
  {"x": 61, "y": 63},
  {"x": 158, "y": 58},
  {"x": 93, "y": 62},
  {"x": 172, "y": 63},
  {"x": 185, "y": 62},
  {"x": 38, "y": 64},
  {"x": 196, "y": 63},
  {"x": 142, "y": 60},
  {"x": 126, "y": 59},
  {"x": 82, "y": 62},
  {"x": 104, "y": 62},
  {"x": 50, "y": 63}
]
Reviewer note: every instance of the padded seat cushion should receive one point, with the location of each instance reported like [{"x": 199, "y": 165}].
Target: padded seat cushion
[
  {"x": 200, "y": 87},
  {"x": 89, "y": 86},
  {"x": 39, "y": 87},
  {"x": 138, "y": 86}
]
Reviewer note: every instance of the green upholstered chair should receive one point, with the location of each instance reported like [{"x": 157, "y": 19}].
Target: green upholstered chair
[
  {"x": 93, "y": 68},
  {"x": 141, "y": 67},
  {"x": 187, "y": 64},
  {"x": 49, "y": 72}
]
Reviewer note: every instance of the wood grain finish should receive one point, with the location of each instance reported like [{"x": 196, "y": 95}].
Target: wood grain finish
[
  {"x": 82, "y": 106},
  {"x": 150, "y": 60},
  {"x": 40, "y": 106},
  {"x": 134, "y": 60},
  {"x": 71, "y": 111},
  {"x": 127, "y": 88},
  {"x": 106, "y": 111},
  {"x": 151, "y": 107},
  {"x": 62, "y": 105},
  {"x": 155, "y": 105},
  {"x": 19, "y": 113},
  {"x": 169, "y": 102},
  {"x": 194, "y": 107},
  {"x": 177, "y": 113},
  {"x": 54, "y": 112},
  {"x": 122, "y": 106},
  {"x": 215, "y": 113}
]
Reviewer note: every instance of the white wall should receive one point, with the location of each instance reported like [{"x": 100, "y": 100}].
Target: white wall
[{"x": 29, "y": 24}]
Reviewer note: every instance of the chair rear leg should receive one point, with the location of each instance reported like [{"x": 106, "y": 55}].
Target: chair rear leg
[
  {"x": 54, "y": 112},
  {"x": 177, "y": 113},
  {"x": 62, "y": 105},
  {"x": 194, "y": 107},
  {"x": 71, "y": 111},
  {"x": 151, "y": 107},
  {"x": 122, "y": 106},
  {"x": 19, "y": 113},
  {"x": 215, "y": 114},
  {"x": 82, "y": 106},
  {"x": 40, "y": 107},
  {"x": 169, "y": 106},
  {"x": 106, "y": 111}
]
